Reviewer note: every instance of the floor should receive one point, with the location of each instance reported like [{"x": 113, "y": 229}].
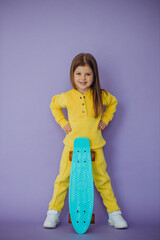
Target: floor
[{"x": 35, "y": 231}]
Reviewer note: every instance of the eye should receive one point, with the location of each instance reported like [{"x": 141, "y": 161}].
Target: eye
[
  {"x": 78, "y": 73},
  {"x": 88, "y": 74}
]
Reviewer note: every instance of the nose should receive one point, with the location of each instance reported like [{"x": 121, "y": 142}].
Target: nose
[{"x": 83, "y": 76}]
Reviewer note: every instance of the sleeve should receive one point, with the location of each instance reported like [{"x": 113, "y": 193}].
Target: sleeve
[
  {"x": 110, "y": 102},
  {"x": 59, "y": 102}
]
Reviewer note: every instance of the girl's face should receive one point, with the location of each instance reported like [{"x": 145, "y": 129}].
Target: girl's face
[{"x": 83, "y": 78}]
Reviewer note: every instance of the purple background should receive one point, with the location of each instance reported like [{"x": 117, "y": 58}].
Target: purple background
[{"x": 38, "y": 40}]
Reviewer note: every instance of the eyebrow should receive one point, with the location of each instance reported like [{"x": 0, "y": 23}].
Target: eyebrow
[{"x": 86, "y": 71}]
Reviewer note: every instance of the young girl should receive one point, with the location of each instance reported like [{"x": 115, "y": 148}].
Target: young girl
[{"x": 86, "y": 117}]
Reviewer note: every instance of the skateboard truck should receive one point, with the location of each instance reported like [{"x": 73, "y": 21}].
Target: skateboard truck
[
  {"x": 92, "y": 155},
  {"x": 93, "y": 159},
  {"x": 92, "y": 219}
]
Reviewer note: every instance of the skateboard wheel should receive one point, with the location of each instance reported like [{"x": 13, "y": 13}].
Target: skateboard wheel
[
  {"x": 69, "y": 219},
  {"x": 93, "y": 155},
  {"x": 93, "y": 219}
]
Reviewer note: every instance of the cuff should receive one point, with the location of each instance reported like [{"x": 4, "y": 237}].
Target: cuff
[
  {"x": 63, "y": 122},
  {"x": 106, "y": 120}
]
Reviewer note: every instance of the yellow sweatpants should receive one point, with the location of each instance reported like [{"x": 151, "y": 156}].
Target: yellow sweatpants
[{"x": 101, "y": 179}]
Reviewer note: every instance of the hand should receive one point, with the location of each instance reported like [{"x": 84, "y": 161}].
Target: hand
[
  {"x": 101, "y": 125},
  {"x": 67, "y": 128}
]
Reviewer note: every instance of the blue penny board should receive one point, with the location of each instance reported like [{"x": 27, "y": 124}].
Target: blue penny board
[{"x": 81, "y": 187}]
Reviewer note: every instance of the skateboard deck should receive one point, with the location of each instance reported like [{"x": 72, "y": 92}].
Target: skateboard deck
[{"x": 81, "y": 187}]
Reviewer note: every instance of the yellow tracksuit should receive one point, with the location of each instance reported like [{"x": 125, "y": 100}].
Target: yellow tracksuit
[{"x": 83, "y": 124}]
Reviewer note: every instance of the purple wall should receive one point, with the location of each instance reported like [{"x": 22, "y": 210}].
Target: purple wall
[{"x": 38, "y": 40}]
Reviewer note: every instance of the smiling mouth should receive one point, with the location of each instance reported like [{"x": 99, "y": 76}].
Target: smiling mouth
[{"x": 83, "y": 83}]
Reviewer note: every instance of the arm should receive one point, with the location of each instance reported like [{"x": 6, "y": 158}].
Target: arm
[
  {"x": 110, "y": 102},
  {"x": 59, "y": 102}
]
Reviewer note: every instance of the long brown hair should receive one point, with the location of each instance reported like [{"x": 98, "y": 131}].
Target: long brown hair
[{"x": 83, "y": 59}]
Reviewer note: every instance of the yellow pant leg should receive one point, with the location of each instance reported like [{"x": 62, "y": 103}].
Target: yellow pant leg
[
  {"x": 61, "y": 184},
  {"x": 101, "y": 179},
  {"x": 103, "y": 182}
]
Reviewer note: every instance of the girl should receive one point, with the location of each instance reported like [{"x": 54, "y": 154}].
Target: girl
[{"x": 84, "y": 104}]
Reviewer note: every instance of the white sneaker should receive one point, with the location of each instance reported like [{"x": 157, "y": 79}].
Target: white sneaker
[
  {"x": 52, "y": 219},
  {"x": 116, "y": 220}
]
